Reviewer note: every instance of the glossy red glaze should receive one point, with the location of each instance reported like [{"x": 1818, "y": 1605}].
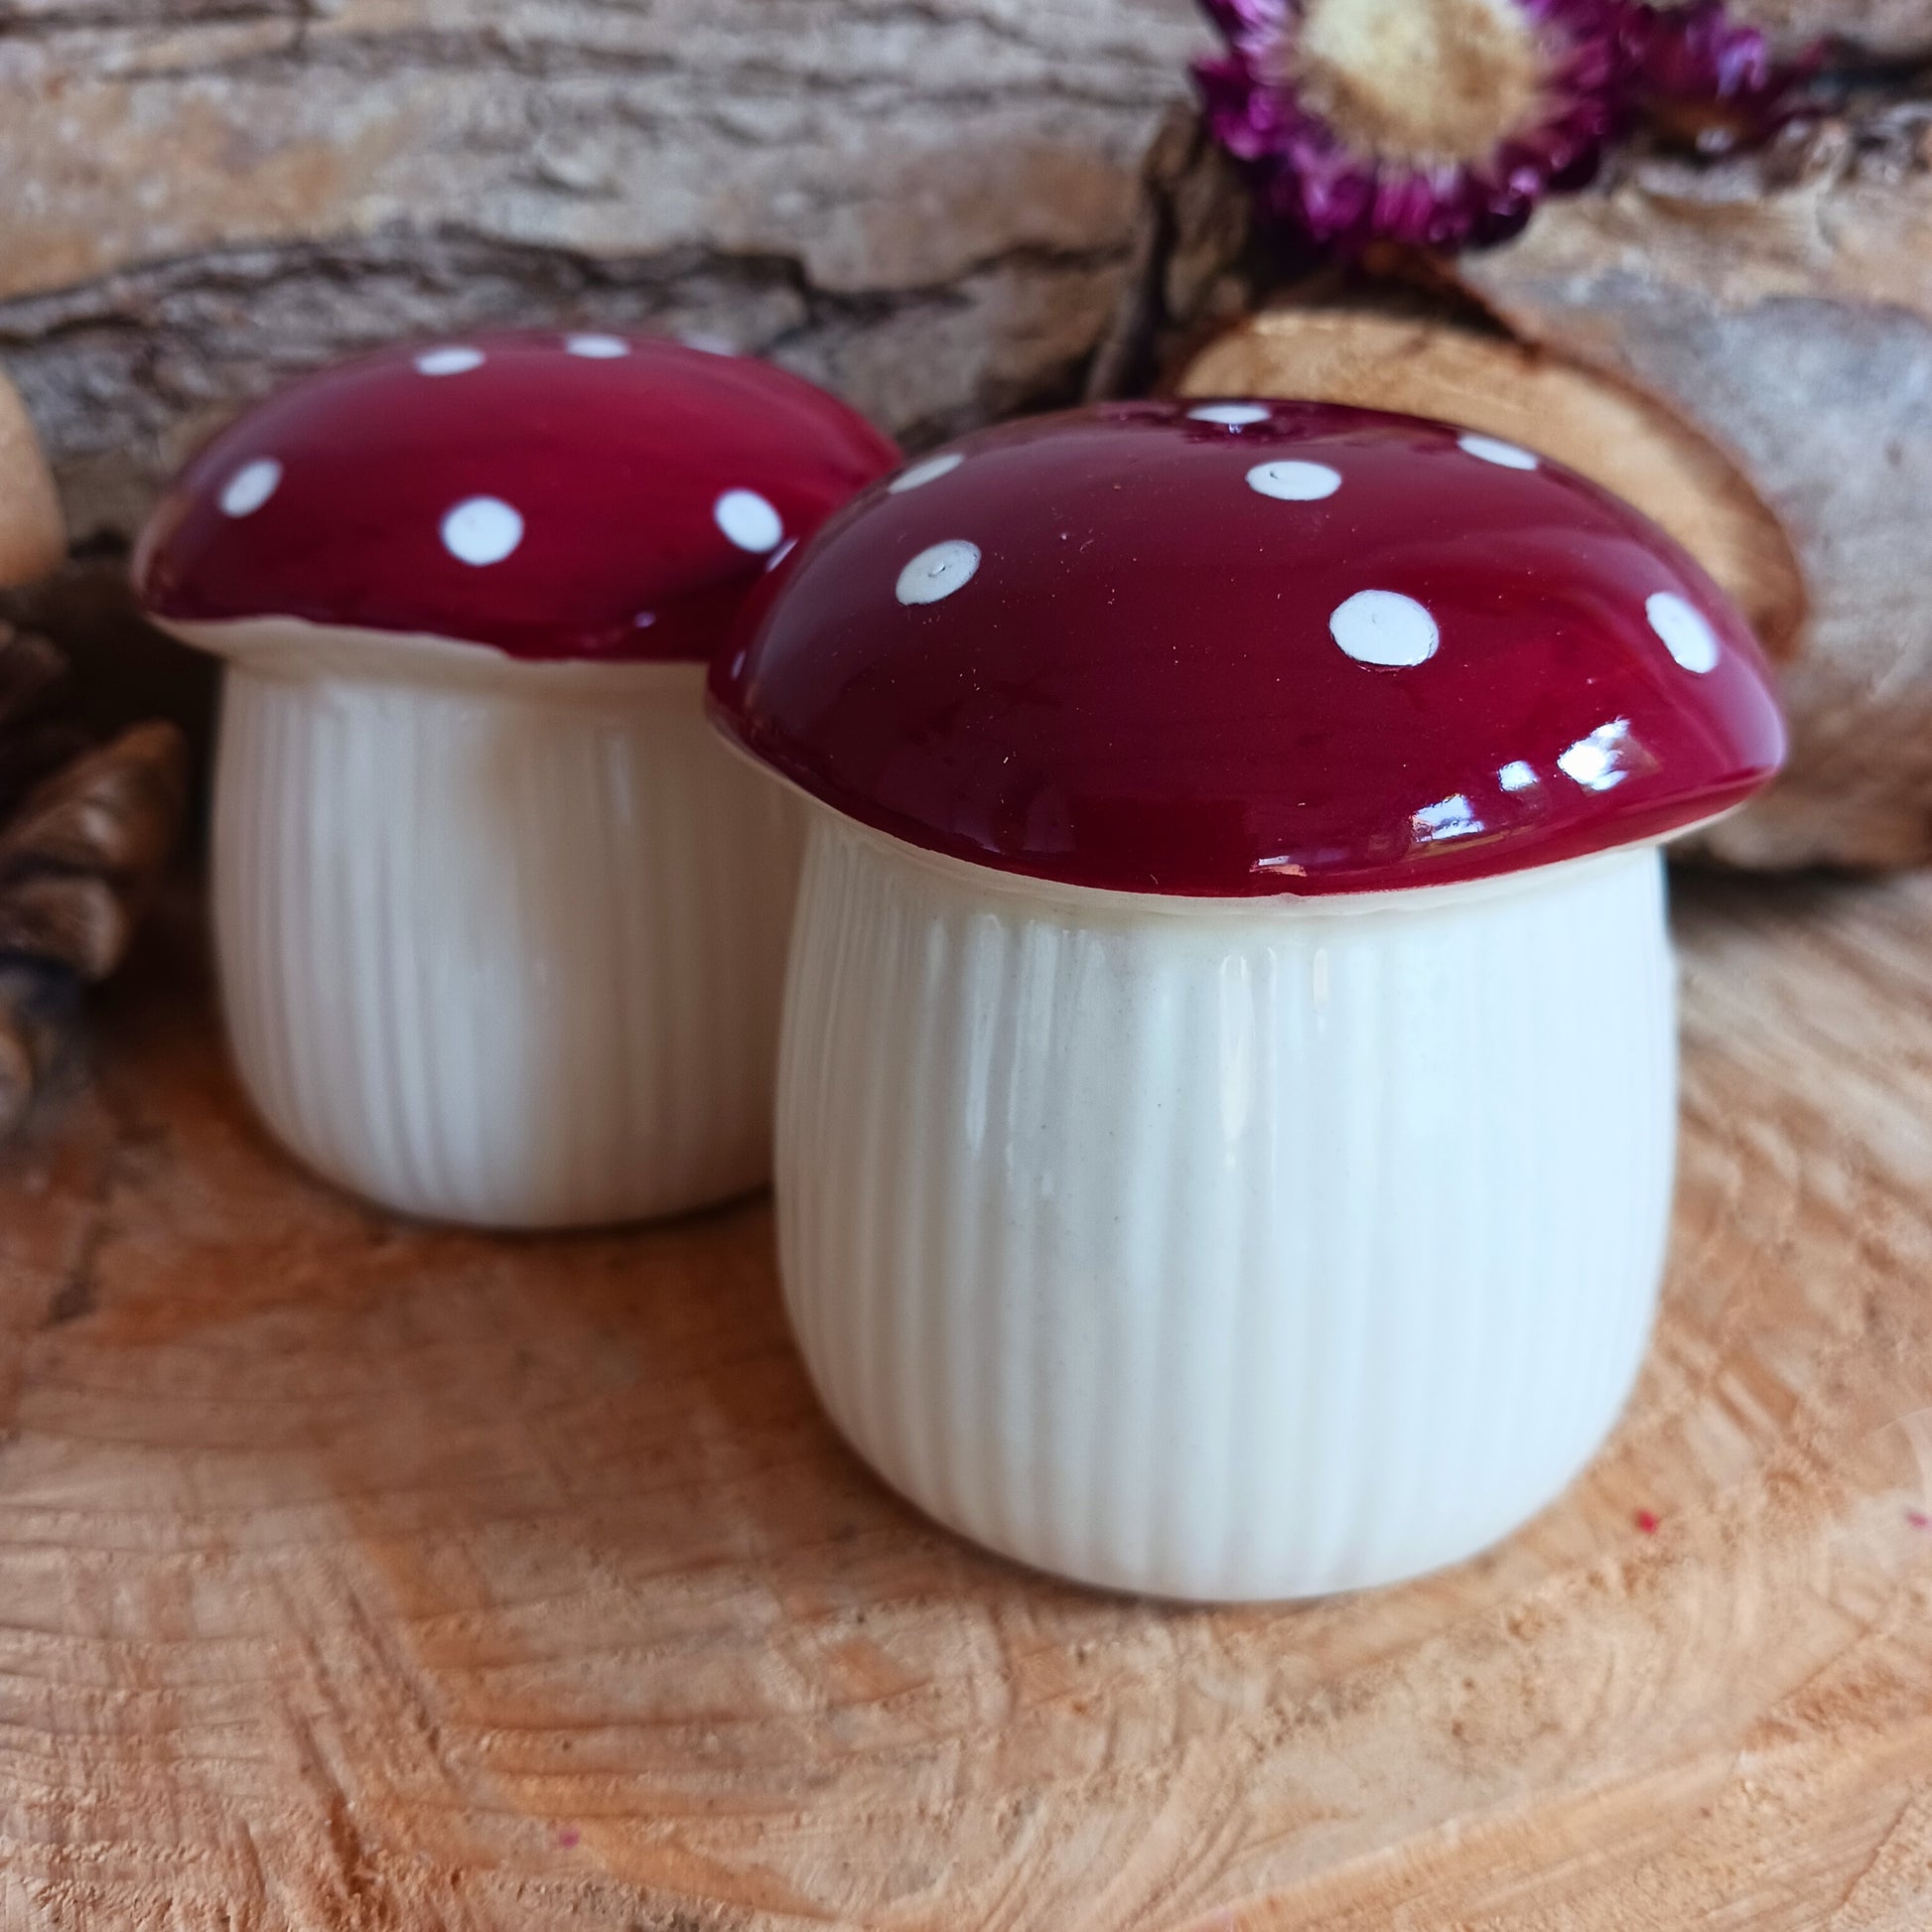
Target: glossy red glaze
[
  {"x": 1143, "y": 683},
  {"x": 613, "y": 452}
]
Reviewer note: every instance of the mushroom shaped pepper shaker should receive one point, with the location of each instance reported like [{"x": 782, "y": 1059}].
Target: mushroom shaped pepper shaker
[
  {"x": 500, "y": 928},
  {"x": 1226, "y": 1100}
]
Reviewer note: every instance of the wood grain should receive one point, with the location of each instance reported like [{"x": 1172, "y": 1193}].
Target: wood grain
[{"x": 356, "y": 1574}]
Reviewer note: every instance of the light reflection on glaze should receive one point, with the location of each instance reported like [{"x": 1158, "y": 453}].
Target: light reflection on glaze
[
  {"x": 1601, "y": 760},
  {"x": 1177, "y": 668},
  {"x": 1453, "y": 817}
]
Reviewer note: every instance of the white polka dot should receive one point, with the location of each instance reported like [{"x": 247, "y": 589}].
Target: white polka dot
[
  {"x": 1384, "y": 627},
  {"x": 1686, "y": 633},
  {"x": 1493, "y": 450},
  {"x": 1231, "y": 415},
  {"x": 937, "y": 572},
  {"x": 250, "y": 486},
  {"x": 1517, "y": 775},
  {"x": 1291, "y": 481},
  {"x": 457, "y": 360},
  {"x": 748, "y": 520},
  {"x": 596, "y": 348},
  {"x": 930, "y": 471},
  {"x": 482, "y": 530}
]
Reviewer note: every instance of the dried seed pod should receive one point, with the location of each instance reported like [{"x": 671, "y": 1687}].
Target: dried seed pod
[
  {"x": 1436, "y": 123},
  {"x": 84, "y": 830},
  {"x": 79, "y": 858}
]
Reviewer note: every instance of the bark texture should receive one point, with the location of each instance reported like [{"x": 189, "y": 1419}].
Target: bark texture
[
  {"x": 1880, "y": 28},
  {"x": 1784, "y": 302},
  {"x": 922, "y": 202}
]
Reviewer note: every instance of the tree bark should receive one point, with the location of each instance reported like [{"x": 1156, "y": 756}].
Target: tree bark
[
  {"x": 927, "y": 206},
  {"x": 923, "y": 203},
  {"x": 1784, "y": 302},
  {"x": 1878, "y": 29}
]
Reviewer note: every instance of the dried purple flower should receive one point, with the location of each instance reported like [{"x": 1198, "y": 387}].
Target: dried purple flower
[
  {"x": 1712, "y": 82},
  {"x": 1434, "y": 122}
]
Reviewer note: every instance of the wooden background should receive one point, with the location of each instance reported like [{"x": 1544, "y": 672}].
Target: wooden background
[
  {"x": 923, "y": 202},
  {"x": 358, "y": 1575},
  {"x": 927, "y": 204},
  {"x": 930, "y": 206}
]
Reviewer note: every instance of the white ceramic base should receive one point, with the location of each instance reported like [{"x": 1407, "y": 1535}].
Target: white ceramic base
[
  {"x": 1224, "y": 1249},
  {"x": 506, "y": 949}
]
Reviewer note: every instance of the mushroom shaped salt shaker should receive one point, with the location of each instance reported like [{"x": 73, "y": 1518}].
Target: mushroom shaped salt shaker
[
  {"x": 1226, "y": 1100},
  {"x": 500, "y": 928}
]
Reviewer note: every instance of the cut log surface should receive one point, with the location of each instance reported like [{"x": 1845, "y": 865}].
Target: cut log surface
[{"x": 366, "y": 1576}]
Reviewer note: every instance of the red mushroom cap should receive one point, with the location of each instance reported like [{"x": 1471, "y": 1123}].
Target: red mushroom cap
[
  {"x": 553, "y": 495},
  {"x": 1250, "y": 647}
]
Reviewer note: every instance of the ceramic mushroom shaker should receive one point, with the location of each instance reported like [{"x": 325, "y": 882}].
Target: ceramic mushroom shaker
[
  {"x": 1225, "y": 1107},
  {"x": 500, "y": 926}
]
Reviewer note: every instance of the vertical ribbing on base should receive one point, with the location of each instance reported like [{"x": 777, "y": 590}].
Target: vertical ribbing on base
[
  {"x": 500, "y": 960},
  {"x": 1224, "y": 1251}
]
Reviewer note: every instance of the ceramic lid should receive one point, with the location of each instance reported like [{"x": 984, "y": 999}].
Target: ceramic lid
[
  {"x": 553, "y": 495},
  {"x": 1251, "y": 648}
]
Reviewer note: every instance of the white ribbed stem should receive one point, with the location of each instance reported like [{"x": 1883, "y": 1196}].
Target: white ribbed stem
[
  {"x": 502, "y": 951},
  {"x": 1224, "y": 1249}
]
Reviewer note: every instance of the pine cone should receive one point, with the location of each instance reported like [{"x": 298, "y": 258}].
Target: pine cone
[{"x": 85, "y": 834}]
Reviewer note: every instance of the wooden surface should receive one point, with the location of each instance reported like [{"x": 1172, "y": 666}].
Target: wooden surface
[{"x": 354, "y": 1576}]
